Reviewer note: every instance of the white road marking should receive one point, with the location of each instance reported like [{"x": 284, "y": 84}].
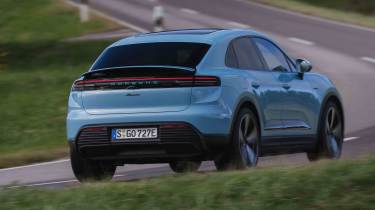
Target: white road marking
[
  {"x": 44, "y": 183},
  {"x": 116, "y": 20},
  {"x": 300, "y": 41},
  {"x": 238, "y": 25},
  {"x": 33, "y": 165},
  {"x": 189, "y": 11},
  {"x": 368, "y": 59},
  {"x": 351, "y": 138}
]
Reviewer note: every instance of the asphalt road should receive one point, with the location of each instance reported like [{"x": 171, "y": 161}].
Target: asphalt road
[{"x": 346, "y": 53}]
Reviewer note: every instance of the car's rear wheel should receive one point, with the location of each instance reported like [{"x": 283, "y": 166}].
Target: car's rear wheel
[
  {"x": 245, "y": 148},
  {"x": 90, "y": 170},
  {"x": 185, "y": 166},
  {"x": 331, "y": 134}
]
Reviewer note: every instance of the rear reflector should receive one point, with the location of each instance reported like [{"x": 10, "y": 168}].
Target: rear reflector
[
  {"x": 174, "y": 126},
  {"x": 95, "y": 129},
  {"x": 145, "y": 82}
]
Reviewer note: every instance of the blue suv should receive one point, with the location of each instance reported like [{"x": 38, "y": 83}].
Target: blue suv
[{"x": 185, "y": 96}]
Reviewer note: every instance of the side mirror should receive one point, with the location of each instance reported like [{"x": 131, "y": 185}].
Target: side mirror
[{"x": 303, "y": 65}]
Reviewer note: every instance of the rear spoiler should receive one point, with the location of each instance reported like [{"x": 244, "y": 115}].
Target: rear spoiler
[{"x": 186, "y": 69}]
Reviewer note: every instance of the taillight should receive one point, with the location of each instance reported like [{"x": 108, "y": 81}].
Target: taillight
[
  {"x": 206, "y": 81},
  {"x": 145, "y": 82}
]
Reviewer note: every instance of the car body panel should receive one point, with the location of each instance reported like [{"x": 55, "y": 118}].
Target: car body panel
[
  {"x": 291, "y": 112},
  {"x": 136, "y": 101}
]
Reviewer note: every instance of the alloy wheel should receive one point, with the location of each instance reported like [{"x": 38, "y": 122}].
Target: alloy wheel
[
  {"x": 334, "y": 135},
  {"x": 248, "y": 140}
]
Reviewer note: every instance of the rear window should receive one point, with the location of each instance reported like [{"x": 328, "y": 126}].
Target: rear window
[{"x": 156, "y": 54}]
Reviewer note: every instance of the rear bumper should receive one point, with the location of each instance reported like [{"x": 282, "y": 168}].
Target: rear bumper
[
  {"x": 208, "y": 126},
  {"x": 207, "y": 119},
  {"x": 176, "y": 140}
]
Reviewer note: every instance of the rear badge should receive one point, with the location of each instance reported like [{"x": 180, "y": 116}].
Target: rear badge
[{"x": 132, "y": 94}]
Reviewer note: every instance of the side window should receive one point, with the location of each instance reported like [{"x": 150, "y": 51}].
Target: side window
[
  {"x": 230, "y": 57},
  {"x": 292, "y": 66},
  {"x": 247, "y": 55},
  {"x": 274, "y": 58}
]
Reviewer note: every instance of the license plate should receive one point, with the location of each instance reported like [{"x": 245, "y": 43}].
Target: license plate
[{"x": 134, "y": 133}]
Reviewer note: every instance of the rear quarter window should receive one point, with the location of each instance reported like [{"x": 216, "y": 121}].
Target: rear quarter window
[
  {"x": 246, "y": 54},
  {"x": 230, "y": 57}
]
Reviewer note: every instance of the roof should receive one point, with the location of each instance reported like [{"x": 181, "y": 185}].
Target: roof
[
  {"x": 208, "y": 36},
  {"x": 201, "y": 31}
]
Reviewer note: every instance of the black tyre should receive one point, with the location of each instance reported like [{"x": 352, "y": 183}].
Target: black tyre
[
  {"x": 313, "y": 156},
  {"x": 223, "y": 162},
  {"x": 90, "y": 170},
  {"x": 331, "y": 134},
  {"x": 245, "y": 148},
  {"x": 185, "y": 166}
]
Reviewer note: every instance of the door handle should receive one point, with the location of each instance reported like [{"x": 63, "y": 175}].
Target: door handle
[
  {"x": 286, "y": 86},
  {"x": 255, "y": 84}
]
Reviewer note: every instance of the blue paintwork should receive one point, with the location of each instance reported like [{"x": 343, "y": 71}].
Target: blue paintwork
[{"x": 210, "y": 109}]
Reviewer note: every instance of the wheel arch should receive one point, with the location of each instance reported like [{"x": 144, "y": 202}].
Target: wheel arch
[
  {"x": 335, "y": 98},
  {"x": 250, "y": 103}
]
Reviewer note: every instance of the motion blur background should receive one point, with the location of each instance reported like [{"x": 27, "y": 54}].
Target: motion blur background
[{"x": 46, "y": 44}]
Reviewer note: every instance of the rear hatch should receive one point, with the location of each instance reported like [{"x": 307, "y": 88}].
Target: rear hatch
[{"x": 141, "y": 78}]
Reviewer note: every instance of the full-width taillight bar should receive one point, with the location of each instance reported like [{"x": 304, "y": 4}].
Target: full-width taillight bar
[{"x": 145, "y": 82}]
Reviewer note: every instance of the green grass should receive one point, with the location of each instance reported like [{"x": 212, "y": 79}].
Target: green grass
[
  {"x": 341, "y": 11},
  {"x": 366, "y": 7},
  {"x": 36, "y": 72},
  {"x": 328, "y": 185}
]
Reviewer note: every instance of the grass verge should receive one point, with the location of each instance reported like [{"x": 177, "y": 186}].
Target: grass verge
[
  {"x": 36, "y": 72},
  {"x": 333, "y": 14},
  {"x": 328, "y": 185}
]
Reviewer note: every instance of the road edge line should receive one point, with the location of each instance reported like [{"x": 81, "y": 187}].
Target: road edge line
[
  {"x": 312, "y": 17},
  {"x": 35, "y": 164}
]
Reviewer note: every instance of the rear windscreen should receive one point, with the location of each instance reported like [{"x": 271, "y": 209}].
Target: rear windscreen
[{"x": 153, "y": 54}]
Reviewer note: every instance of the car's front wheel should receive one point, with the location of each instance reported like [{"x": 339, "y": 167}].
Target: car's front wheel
[
  {"x": 331, "y": 134},
  {"x": 90, "y": 170},
  {"x": 245, "y": 148}
]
